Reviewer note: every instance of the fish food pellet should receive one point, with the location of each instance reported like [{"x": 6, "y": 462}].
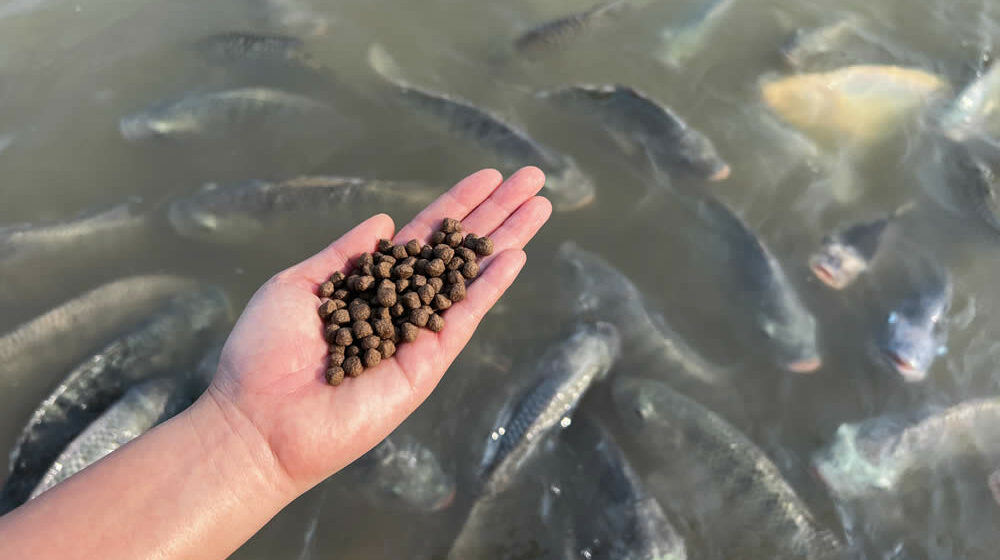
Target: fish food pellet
[{"x": 388, "y": 295}]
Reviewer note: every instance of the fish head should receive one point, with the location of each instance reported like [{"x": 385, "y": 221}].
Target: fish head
[
  {"x": 915, "y": 335},
  {"x": 790, "y": 330},
  {"x": 699, "y": 153},
  {"x": 411, "y": 475},
  {"x": 205, "y": 216},
  {"x": 593, "y": 287},
  {"x": 569, "y": 189},
  {"x": 837, "y": 264}
]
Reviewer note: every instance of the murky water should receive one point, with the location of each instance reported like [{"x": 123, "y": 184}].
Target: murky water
[{"x": 70, "y": 70}]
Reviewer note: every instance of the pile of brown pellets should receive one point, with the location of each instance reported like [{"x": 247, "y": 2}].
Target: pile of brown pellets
[{"x": 392, "y": 293}]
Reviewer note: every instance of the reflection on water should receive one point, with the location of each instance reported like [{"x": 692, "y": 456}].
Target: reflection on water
[{"x": 111, "y": 111}]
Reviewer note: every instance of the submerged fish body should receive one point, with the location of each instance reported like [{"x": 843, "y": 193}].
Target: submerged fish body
[
  {"x": 915, "y": 329},
  {"x": 565, "y": 373},
  {"x": 407, "y": 474},
  {"x": 780, "y": 316},
  {"x": 975, "y": 114},
  {"x": 220, "y": 112},
  {"x": 678, "y": 46},
  {"x": 568, "y": 187},
  {"x": 848, "y": 251},
  {"x": 241, "y": 212},
  {"x": 171, "y": 339},
  {"x": 856, "y": 104},
  {"x": 842, "y": 43},
  {"x": 669, "y": 141},
  {"x": 240, "y": 47},
  {"x": 141, "y": 408},
  {"x": 870, "y": 458},
  {"x": 558, "y": 32},
  {"x": 761, "y": 507},
  {"x": 599, "y": 290}
]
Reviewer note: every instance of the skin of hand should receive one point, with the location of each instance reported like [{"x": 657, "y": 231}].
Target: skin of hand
[{"x": 269, "y": 428}]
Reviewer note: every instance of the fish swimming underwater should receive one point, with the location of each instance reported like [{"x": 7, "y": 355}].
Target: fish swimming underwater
[
  {"x": 847, "y": 252},
  {"x": 679, "y": 45},
  {"x": 241, "y": 47},
  {"x": 845, "y": 42},
  {"x": 405, "y": 473},
  {"x": 559, "y": 32},
  {"x": 975, "y": 114}
]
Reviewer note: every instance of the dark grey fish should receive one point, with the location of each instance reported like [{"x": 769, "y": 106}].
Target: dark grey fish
[
  {"x": 77, "y": 328},
  {"x": 141, "y": 408},
  {"x": 223, "y": 112},
  {"x": 598, "y": 290},
  {"x": 848, "y": 251},
  {"x": 242, "y": 212},
  {"x": 559, "y": 32},
  {"x": 845, "y": 42},
  {"x": 871, "y": 457},
  {"x": 620, "y": 520},
  {"x": 568, "y": 187},
  {"x": 642, "y": 123},
  {"x": 405, "y": 473},
  {"x": 914, "y": 329},
  {"x": 762, "y": 512},
  {"x": 35, "y": 258},
  {"x": 250, "y": 47},
  {"x": 171, "y": 339},
  {"x": 783, "y": 321}
]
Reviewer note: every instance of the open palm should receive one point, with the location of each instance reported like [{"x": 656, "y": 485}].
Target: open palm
[{"x": 272, "y": 367}]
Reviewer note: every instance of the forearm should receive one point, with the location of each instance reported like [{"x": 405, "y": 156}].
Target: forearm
[{"x": 197, "y": 486}]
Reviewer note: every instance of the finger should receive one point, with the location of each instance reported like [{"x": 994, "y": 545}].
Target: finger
[
  {"x": 456, "y": 203},
  {"x": 362, "y": 238},
  {"x": 520, "y": 227},
  {"x": 463, "y": 317},
  {"x": 517, "y": 189}
]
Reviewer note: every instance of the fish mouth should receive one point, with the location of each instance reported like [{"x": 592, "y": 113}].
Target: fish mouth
[
  {"x": 807, "y": 365},
  {"x": 906, "y": 368},
  {"x": 826, "y": 275},
  {"x": 721, "y": 175},
  {"x": 445, "y": 501}
]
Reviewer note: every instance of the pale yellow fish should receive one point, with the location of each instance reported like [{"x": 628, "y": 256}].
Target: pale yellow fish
[{"x": 855, "y": 104}]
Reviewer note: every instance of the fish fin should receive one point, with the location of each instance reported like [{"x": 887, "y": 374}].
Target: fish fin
[
  {"x": 385, "y": 65},
  {"x": 626, "y": 145}
]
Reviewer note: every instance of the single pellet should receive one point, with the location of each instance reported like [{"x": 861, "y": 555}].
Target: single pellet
[
  {"x": 372, "y": 358},
  {"x": 369, "y": 342},
  {"x": 399, "y": 252},
  {"x": 438, "y": 237},
  {"x": 361, "y": 329},
  {"x": 470, "y": 270},
  {"x": 352, "y": 366},
  {"x": 408, "y": 332},
  {"x": 419, "y": 317},
  {"x": 426, "y": 294},
  {"x": 352, "y": 350},
  {"x": 343, "y": 337},
  {"x": 387, "y": 349},
  {"x": 435, "y": 322},
  {"x": 335, "y": 376},
  {"x": 326, "y": 289},
  {"x": 384, "y": 246},
  {"x": 435, "y": 267},
  {"x": 441, "y": 302},
  {"x": 453, "y": 239},
  {"x": 359, "y": 310},
  {"x": 337, "y": 359},
  {"x": 451, "y": 225},
  {"x": 327, "y": 308},
  {"x": 340, "y": 316},
  {"x": 484, "y": 246},
  {"x": 444, "y": 252},
  {"x": 413, "y": 247}
]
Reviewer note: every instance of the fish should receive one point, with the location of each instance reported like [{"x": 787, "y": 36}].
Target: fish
[
  {"x": 563, "y": 375},
  {"x": 559, "y": 32},
  {"x": 79, "y": 326},
  {"x": 782, "y": 320},
  {"x": 848, "y": 251},
  {"x": 242, "y": 212},
  {"x": 621, "y": 519},
  {"x": 67, "y": 250},
  {"x": 762, "y": 511},
  {"x": 643, "y": 123},
  {"x": 250, "y": 47},
  {"x": 220, "y": 112},
  {"x": 914, "y": 330},
  {"x": 169, "y": 340},
  {"x": 861, "y": 104},
  {"x": 596, "y": 289},
  {"x": 405, "y": 473},
  {"x": 677, "y": 46},
  {"x": 974, "y": 115},
  {"x": 869, "y": 458},
  {"x": 993, "y": 483},
  {"x": 844, "y": 42},
  {"x": 141, "y": 408},
  {"x": 566, "y": 184}
]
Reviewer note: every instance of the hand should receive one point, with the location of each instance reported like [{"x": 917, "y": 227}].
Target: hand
[{"x": 271, "y": 374}]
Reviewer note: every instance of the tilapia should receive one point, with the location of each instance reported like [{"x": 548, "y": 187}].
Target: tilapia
[
  {"x": 844, "y": 42},
  {"x": 871, "y": 457},
  {"x": 914, "y": 331},
  {"x": 141, "y": 408},
  {"x": 240, "y": 47},
  {"x": 559, "y": 32},
  {"x": 34, "y": 259},
  {"x": 239, "y": 213},
  {"x": 645, "y": 124},
  {"x": 620, "y": 519},
  {"x": 856, "y": 104},
  {"x": 223, "y": 112},
  {"x": 974, "y": 114},
  {"x": 79, "y": 326},
  {"x": 405, "y": 473},
  {"x": 563, "y": 375},
  {"x": 679, "y": 45},
  {"x": 848, "y": 251},
  {"x": 170, "y": 340},
  {"x": 598, "y": 290},
  {"x": 566, "y": 184},
  {"x": 786, "y": 325},
  {"x": 762, "y": 512}
]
